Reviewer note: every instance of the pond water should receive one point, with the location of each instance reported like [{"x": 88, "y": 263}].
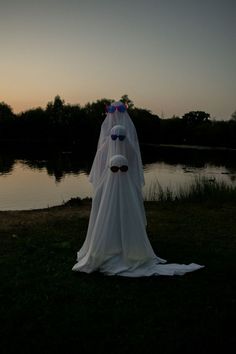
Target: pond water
[{"x": 33, "y": 183}]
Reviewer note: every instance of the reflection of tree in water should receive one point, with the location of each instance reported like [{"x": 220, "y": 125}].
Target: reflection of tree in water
[
  {"x": 59, "y": 165},
  {"x": 6, "y": 164},
  {"x": 196, "y": 158},
  {"x": 62, "y": 164}
]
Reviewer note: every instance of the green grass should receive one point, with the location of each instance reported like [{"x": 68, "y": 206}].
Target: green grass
[
  {"x": 47, "y": 308},
  {"x": 201, "y": 189}
]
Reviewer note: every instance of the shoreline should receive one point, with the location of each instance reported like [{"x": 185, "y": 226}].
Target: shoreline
[{"x": 190, "y": 147}]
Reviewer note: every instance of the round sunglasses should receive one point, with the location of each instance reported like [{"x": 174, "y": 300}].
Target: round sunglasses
[
  {"x": 112, "y": 109},
  {"x": 120, "y": 137},
  {"x": 123, "y": 168}
]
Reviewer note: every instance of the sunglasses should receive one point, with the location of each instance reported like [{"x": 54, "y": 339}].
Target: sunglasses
[
  {"x": 123, "y": 168},
  {"x": 121, "y": 137},
  {"x": 112, "y": 109}
]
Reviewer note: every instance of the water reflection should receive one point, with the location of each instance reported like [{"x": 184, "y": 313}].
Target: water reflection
[
  {"x": 6, "y": 165},
  {"x": 29, "y": 182},
  {"x": 190, "y": 157},
  {"x": 61, "y": 165}
]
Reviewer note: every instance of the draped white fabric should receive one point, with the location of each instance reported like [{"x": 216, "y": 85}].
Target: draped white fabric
[
  {"x": 118, "y": 118},
  {"x": 116, "y": 242},
  {"x": 111, "y": 147},
  {"x": 124, "y": 147}
]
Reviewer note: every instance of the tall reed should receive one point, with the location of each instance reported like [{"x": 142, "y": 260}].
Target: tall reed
[{"x": 201, "y": 189}]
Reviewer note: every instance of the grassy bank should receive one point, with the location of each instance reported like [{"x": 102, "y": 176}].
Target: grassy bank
[
  {"x": 202, "y": 189},
  {"x": 46, "y": 308}
]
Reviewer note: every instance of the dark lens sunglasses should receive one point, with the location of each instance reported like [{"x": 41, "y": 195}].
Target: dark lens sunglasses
[
  {"x": 123, "y": 168},
  {"x": 121, "y": 137}
]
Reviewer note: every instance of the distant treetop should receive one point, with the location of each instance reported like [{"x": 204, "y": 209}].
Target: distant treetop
[{"x": 196, "y": 117}]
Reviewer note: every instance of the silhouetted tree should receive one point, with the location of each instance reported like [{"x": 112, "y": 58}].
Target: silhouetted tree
[
  {"x": 57, "y": 105},
  {"x": 6, "y": 164},
  {"x": 32, "y": 124},
  {"x": 55, "y": 110},
  {"x": 127, "y": 101},
  {"x": 233, "y": 116},
  {"x": 97, "y": 110},
  {"x": 6, "y": 112},
  {"x": 147, "y": 125},
  {"x": 7, "y": 118},
  {"x": 173, "y": 131},
  {"x": 63, "y": 125},
  {"x": 196, "y": 116}
]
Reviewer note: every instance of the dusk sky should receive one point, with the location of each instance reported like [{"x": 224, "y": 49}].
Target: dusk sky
[{"x": 170, "y": 56}]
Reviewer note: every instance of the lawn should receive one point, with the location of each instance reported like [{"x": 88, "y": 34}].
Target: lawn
[{"x": 47, "y": 308}]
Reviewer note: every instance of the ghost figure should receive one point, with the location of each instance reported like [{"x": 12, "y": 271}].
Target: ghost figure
[
  {"x": 118, "y": 143},
  {"x": 116, "y": 242},
  {"x": 117, "y": 115}
]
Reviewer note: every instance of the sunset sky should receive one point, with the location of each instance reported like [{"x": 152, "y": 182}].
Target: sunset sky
[{"x": 170, "y": 56}]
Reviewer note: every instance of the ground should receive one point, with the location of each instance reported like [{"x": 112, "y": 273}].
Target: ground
[{"x": 47, "y": 308}]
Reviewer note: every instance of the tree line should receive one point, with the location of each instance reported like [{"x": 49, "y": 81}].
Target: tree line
[{"x": 66, "y": 125}]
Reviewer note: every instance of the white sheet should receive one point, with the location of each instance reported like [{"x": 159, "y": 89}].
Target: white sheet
[
  {"x": 118, "y": 118},
  {"x": 116, "y": 242}
]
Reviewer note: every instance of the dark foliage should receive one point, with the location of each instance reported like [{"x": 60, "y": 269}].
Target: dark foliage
[{"x": 66, "y": 126}]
